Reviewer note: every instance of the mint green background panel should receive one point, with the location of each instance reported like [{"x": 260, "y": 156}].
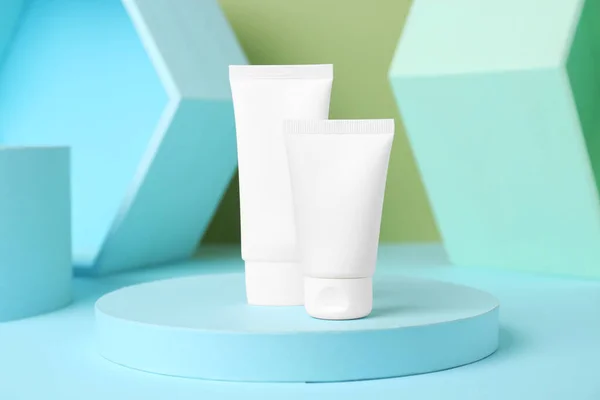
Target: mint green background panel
[{"x": 504, "y": 138}]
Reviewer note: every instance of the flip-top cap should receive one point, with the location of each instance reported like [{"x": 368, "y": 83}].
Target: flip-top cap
[{"x": 338, "y": 298}]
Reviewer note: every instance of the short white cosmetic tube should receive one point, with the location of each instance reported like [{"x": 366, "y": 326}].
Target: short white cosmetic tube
[
  {"x": 263, "y": 96},
  {"x": 338, "y": 170}
]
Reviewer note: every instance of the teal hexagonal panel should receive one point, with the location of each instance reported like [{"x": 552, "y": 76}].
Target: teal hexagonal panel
[
  {"x": 10, "y": 13},
  {"x": 140, "y": 92},
  {"x": 500, "y": 101}
]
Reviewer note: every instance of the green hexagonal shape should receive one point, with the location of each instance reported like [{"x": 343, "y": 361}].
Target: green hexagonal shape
[{"x": 501, "y": 104}]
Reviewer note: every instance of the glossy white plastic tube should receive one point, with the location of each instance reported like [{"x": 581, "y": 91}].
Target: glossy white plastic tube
[
  {"x": 263, "y": 96},
  {"x": 338, "y": 171}
]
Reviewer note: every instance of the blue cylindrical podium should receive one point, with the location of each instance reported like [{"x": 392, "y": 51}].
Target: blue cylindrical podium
[
  {"x": 201, "y": 327},
  {"x": 35, "y": 231}
]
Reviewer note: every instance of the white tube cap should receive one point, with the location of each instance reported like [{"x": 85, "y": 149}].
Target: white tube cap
[
  {"x": 274, "y": 284},
  {"x": 338, "y": 298}
]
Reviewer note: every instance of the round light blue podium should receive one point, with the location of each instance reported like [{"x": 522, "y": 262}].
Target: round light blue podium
[{"x": 201, "y": 327}]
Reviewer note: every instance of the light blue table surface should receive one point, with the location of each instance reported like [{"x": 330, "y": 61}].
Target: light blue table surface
[{"x": 550, "y": 343}]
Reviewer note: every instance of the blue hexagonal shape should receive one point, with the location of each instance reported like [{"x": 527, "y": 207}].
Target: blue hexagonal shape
[
  {"x": 140, "y": 92},
  {"x": 10, "y": 12},
  {"x": 500, "y": 101}
]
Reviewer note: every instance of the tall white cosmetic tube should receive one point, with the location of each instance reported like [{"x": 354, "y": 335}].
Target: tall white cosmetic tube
[
  {"x": 263, "y": 96},
  {"x": 338, "y": 171}
]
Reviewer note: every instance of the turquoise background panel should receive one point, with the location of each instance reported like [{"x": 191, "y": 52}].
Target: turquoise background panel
[
  {"x": 170, "y": 207},
  {"x": 9, "y": 20},
  {"x": 191, "y": 44},
  {"x": 77, "y": 74},
  {"x": 141, "y": 93},
  {"x": 35, "y": 232}
]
